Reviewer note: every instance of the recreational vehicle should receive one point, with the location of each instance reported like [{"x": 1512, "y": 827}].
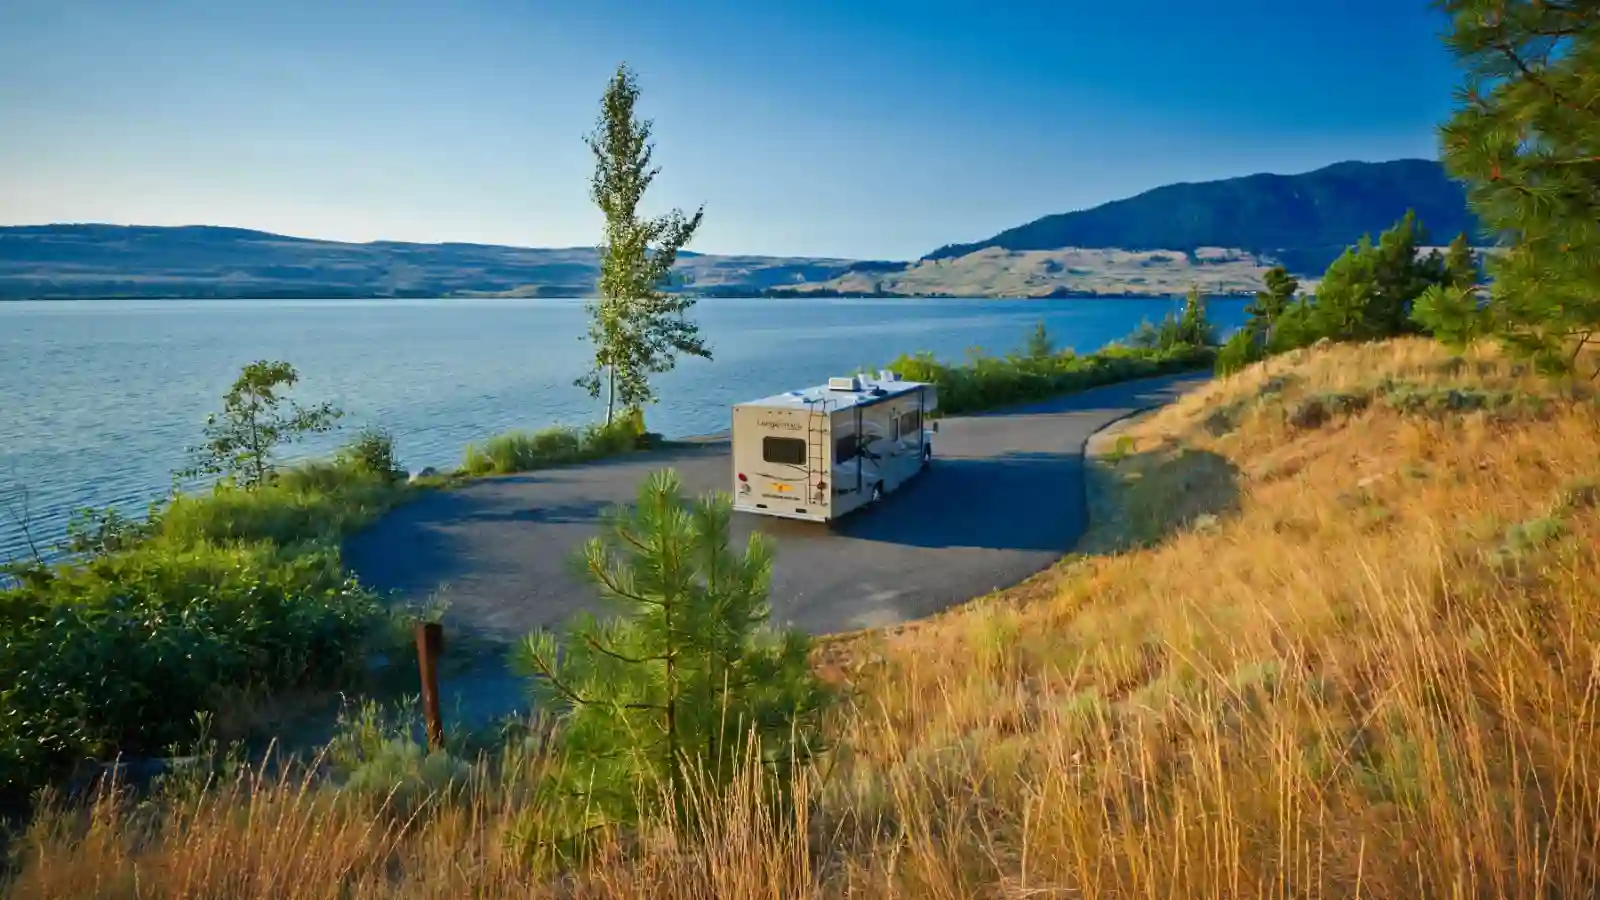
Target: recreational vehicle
[{"x": 819, "y": 453}]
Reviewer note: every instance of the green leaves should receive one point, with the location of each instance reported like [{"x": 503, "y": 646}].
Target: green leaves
[
  {"x": 255, "y": 420},
  {"x": 637, "y": 329}
]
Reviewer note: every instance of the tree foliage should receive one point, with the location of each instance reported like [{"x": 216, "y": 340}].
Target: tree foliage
[
  {"x": 1526, "y": 140},
  {"x": 1040, "y": 344},
  {"x": 256, "y": 420},
  {"x": 1270, "y": 303},
  {"x": 682, "y": 678},
  {"x": 1190, "y": 327},
  {"x": 1367, "y": 293},
  {"x": 637, "y": 329}
]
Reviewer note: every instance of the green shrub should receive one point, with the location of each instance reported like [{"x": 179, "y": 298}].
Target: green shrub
[
  {"x": 373, "y": 452},
  {"x": 524, "y": 451},
  {"x": 385, "y": 765},
  {"x": 219, "y": 593},
  {"x": 1238, "y": 352},
  {"x": 118, "y": 652}
]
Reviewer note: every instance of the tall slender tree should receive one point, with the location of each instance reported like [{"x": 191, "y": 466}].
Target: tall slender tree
[
  {"x": 1526, "y": 140},
  {"x": 637, "y": 329}
]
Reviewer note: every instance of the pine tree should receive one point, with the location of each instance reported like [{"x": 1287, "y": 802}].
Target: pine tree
[
  {"x": 1194, "y": 328},
  {"x": 637, "y": 329},
  {"x": 1526, "y": 140},
  {"x": 1368, "y": 292},
  {"x": 677, "y": 682},
  {"x": 1040, "y": 346},
  {"x": 1461, "y": 263},
  {"x": 1270, "y": 303}
]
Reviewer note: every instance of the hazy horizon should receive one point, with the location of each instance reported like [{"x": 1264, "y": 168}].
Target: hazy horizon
[{"x": 822, "y": 129}]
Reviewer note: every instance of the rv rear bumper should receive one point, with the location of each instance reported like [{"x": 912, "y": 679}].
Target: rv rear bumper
[{"x": 780, "y": 513}]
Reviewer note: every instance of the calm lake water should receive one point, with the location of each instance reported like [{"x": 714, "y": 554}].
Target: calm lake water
[{"x": 99, "y": 399}]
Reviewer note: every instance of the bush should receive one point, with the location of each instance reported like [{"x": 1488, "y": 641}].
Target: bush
[
  {"x": 1238, "y": 352},
  {"x": 373, "y": 452},
  {"x": 524, "y": 451},
  {"x": 220, "y": 593},
  {"x": 119, "y": 652},
  {"x": 385, "y": 766}
]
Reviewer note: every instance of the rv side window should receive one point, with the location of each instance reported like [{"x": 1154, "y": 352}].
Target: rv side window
[
  {"x": 784, "y": 451},
  {"x": 910, "y": 422},
  {"x": 844, "y": 449}
]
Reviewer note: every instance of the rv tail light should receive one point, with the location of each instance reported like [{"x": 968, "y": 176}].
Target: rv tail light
[
  {"x": 822, "y": 485},
  {"x": 742, "y": 478}
]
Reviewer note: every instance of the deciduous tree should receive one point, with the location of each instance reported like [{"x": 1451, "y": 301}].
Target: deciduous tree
[
  {"x": 637, "y": 329},
  {"x": 256, "y": 419}
]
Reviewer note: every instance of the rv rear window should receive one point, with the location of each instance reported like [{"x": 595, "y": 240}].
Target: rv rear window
[{"x": 784, "y": 451}]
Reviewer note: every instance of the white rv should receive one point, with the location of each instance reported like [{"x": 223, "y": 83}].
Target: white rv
[{"x": 819, "y": 453}]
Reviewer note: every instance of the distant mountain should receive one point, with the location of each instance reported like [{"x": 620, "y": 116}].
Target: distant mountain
[
  {"x": 1303, "y": 221},
  {"x": 46, "y": 261},
  {"x": 1219, "y": 235}
]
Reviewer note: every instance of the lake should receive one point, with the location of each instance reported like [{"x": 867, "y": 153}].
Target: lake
[{"x": 100, "y": 399}]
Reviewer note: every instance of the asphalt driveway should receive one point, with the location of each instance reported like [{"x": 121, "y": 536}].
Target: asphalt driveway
[{"x": 1003, "y": 500}]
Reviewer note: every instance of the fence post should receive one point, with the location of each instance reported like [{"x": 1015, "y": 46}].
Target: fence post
[{"x": 430, "y": 644}]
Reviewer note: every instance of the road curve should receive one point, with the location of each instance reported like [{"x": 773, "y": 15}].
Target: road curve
[{"x": 1003, "y": 500}]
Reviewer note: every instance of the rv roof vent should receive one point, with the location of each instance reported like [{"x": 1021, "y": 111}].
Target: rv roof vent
[{"x": 846, "y": 383}]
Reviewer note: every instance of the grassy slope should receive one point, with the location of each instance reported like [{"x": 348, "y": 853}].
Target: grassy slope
[{"x": 1354, "y": 653}]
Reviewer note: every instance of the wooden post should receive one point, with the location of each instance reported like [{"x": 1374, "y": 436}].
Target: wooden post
[{"x": 430, "y": 644}]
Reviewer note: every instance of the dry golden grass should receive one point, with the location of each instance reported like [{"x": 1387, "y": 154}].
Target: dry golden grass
[{"x": 1352, "y": 653}]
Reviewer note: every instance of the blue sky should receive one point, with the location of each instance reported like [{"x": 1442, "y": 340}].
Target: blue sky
[{"x": 862, "y": 128}]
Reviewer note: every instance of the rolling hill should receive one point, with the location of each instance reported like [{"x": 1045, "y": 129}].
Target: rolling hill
[
  {"x": 1220, "y": 235},
  {"x": 1303, "y": 221},
  {"x": 49, "y": 261}
]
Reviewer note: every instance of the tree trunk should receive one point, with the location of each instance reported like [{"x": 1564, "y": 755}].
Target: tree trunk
[{"x": 611, "y": 392}]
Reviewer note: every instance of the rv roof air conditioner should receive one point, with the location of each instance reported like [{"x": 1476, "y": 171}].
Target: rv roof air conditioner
[
  {"x": 887, "y": 375},
  {"x": 844, "y": 383}
]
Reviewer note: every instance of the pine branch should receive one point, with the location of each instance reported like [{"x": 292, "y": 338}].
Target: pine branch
[
  {"x": 1510, "y": 52},
  {"x": 571, "y": 694},
  {"x": 590, "y": 640},
  {"x": 610, "y": 584}
]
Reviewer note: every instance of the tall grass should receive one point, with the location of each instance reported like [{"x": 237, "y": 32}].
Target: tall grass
[
  {"x": 525, "y": 451},
  {"x": 986, "y": 382},
  {"x": 1347, "y": 655}
]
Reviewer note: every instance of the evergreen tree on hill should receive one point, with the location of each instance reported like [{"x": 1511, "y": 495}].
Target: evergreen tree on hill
[{"x": 1526, "y": 140}]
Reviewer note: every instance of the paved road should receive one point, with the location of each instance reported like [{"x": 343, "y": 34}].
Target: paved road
[{"x": 1003, "y": 500}]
